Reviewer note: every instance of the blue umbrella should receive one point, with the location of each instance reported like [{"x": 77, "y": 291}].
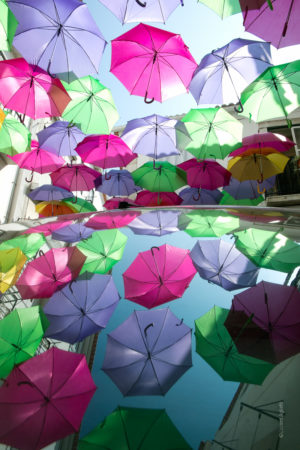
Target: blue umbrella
[
  {"x": 61, "y": 138},
  {"x": 72, "y": 233},
  {"x": 248, "y": 189},
  {"x": 155, "y": 223},
  {"x": 118, "y": 183},
  {"x": 221, "y": 263},
  {"x": 49, "y": 193},
  {"x": 81, "y": 308},
  {"x": 195, "y": 196}
]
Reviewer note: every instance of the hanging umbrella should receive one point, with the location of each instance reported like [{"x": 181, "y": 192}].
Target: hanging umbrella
[
  {"x": 214, "y": 132},
  {"x": 49, "y": 272},
  {"x": 116, "y": 219},
  {"x": 147, "y": 198},
  {"x": 2, "y": 117},
  {"x": 148, "y": 352},
  {"x": 119, "y": 203},
  {"x": 80, "y": 206},
  {"x": 21, "y": 332},
  {"x": 63, "y": 38},
  {"x": 11, "y": 263},
  {"x": 72, "y": 233},
  {"x": 91, "y": 107},
  {"x": 102, "y": 250},
  {"x": 77, "y": 177},
  {"x": 196, "y": 196},
  {"x": 134, "y": 428},
  {"x": 225, "y": 8},
  {"x": 164, "y": 177},
  {"x": 156, "y": 136},
  {"x": 118, "y": 182},
  {"x": 50, "y": 209},
  {"x": 247, "y": 189},
  {"x": 207, "y": 223},
  {"x": 8, "y": 26},
  {"x": 60, "y": 138},
  {"x": 263, "y": 143},
  {"x": 269, "y": 249},
  {"x": 49, "y": 193},
  {"x": 155, "y": 223},
  {"x": 44, "y": 399},
  {"x": 152, "y": 63},
  {"x": 221, "y": 263},
  {"x": 29, "y": 245},
  {"x": 227, "y": 199},
  {"x": 207, "y": 174},
  {"x": 81, "y": 308},
  {"x": 215, "y": 345},
  {"x": 14, "y": 136},
  {"x": 47, "y": 228},
  {"x": 158, "y": 275}
]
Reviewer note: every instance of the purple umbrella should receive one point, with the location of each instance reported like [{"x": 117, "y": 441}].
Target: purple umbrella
[
  {"x": 72, "y": 233},
  {"x": 148, "y": 352},
  {"x": 49, "y": 193},
  {"x": 61, "y": 138},
  {"x": 118, "y": 183},
  {"x": 248, "y": 189},
  {"x": 221, "y": 263},
  {"x": 81, "y": 308},
  {"x": 155, "y": 223},
  {"x": 195, "y": 196}
]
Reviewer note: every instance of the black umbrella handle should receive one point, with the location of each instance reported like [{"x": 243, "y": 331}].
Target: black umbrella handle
[
  {"x": 147, "y": 327},
  {"x": 145, "y": 98},
  {"x": 141, "y": 3}
]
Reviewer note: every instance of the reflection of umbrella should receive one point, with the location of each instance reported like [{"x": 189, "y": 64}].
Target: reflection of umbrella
[
  {"x": 215, "y": 345},
  {"x": 72, "y": 233},
  {"x": 28, "y": 244},
  {"x": 8, "y": 26},
  {"x": 196, "y": 196},
  {"x": 112, "y": 219},
  {"x": 11, "y": 263},
  {"x": 207, "y": 174},
  {"x": 81, "y": 308},
  {"x": 47, "y": 228},
  {"x": 155, "y": 223},
  {"x": 158, "y": 275},
  {"x": 14, "y": 136},
  {"x": 49, "y": 193},
  {"x": 248, "y": 189},
  {"x": 221, "y": 263},
  {"x": 148, "y": 352},
  {"x": 49, "y": 209},
  {"x": 147, "y": 198},
  {"x": 207, "y": 223},
  {"x": 77, "y": 177},
  {"x": 44, "y": 399},
  {"x": 60, "y": 138},
  {"x": 263, "y": 143},
  {"x": 118, "y": 182},
  {"x": 164, "y": 177}
]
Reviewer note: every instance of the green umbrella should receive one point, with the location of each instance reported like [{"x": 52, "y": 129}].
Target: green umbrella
[
  {"x": 207, "y": 223},
  {"x": 227, "y": 199},
  {"x": 223, "y": 8},
  {"x": 214, "y": 132},
  {"x": 8, "y": 26},
  {"x": 102, "y": 250},
  {"x": 21, "y": 332},
  {"x": 14, "y": 136},
  {"x": 275, "y": 93},
  {"x": 92, "y": 107},
  {"x": 28, "y": 243},
  {"x": 269, "y": 249},
  {"x": 161, "y": 177},
  {"x": 81, "y": 205},
  {"x": 215, "y": 345},
  {"x": 135, "y": 429}
]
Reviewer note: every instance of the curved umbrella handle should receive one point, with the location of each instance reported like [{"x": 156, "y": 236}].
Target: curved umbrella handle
[
  {"x": 180, "y": 323},
  {"x": 146, "y": 328},
  {"x": 148, "y": 101},
  {"x": 107, "y": 176},
  {"x": 141, "y": 3},
  {"x": 29, "y": 180},
  {"x": 74, "y": 199},
  {"x": 258, "y": 189},
  {"x": 239, "y": 108},
  {"x": 198, "y": 196},
  {"x": 153, "y": 248},
  {"x": 41, "y": 253}
]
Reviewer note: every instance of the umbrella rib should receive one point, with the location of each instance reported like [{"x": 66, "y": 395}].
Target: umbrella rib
[{"x": 171, "y": 345}]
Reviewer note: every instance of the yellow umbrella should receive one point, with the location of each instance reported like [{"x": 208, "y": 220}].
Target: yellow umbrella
[
  {"x": 2, "y": 117},
  {"x": 54, "y": 208},
  {"x": 11, "y": 263}
]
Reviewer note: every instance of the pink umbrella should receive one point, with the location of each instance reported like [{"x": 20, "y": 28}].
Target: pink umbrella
[
  {"x": 158, "y": 275},
  {"x": 147, "y": 198},
  {"x": 152, "y": 63},
  {"x": 30, "y": 90},
  {"x": 77, "y": 177},
  {"x": 50, "y": 272},
  {"x": 119, "y": 203},
  {"x": 47, "y": 228},
  {"x": 112, "y": 220},
  {"x": 105, "y": 150},
  {"x": 44, "y": 399},
  {"x": 206, "y": 174},
  {"x": 263, "y": 142}
]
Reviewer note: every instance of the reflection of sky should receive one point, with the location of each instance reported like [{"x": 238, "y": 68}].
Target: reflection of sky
[{"x": 197, "y": 402}]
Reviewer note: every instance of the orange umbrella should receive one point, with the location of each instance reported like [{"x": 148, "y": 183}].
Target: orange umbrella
[{"x": 55, "y": 208}]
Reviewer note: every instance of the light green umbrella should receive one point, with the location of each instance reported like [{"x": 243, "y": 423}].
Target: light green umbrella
[
  {"x": 102, "y": 250},
  {"x": 8, "y": 26},
  {"x": 81, "y": 205},
  {"x": 223, "y": 8},
  {"x": 92, "y": 107},
  {"x": 207, "y": 223},
  {"x": 227, "y": 199},
  {"x": 14, "y": 136},
  {"x": 214, "y": 132},
  {"x": 163, "y": 177},
  {"x": 28, "y": 243}
]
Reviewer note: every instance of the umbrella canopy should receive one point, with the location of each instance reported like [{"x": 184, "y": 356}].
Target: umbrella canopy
[
  {"x": 60, "y": 138},
  {"x": 263, "y": 143},
  {"x": 112, "y": 219},
  {"x": 247, "y": 189},
  {"x": 147, "y": 198},
  {"x": 61, "y": 37},
  {"x": 49, "y": 193},
  {"x": 30, "y": 90},
  {"x": 207, "y": 174},
  {"x": 48, "y": 394},
  {"x": 118, "y": 182},
  {"x": 227, "y": 199},
  {"x": 72, "y": 233},
  {"x": 92, "y": 107},
  {"x": 163, "y": 177},
  {"x": 148, "y": 352},
  {"x": 11, "y": 263},
  {"x": 8, "y": 26},
  {"x": 152, "y": 63},
  {"x": 49, "y": 209},
  {"x": 28, "y": 244},
  {"x": 81, "y": 205},
  {"x": 215, "y": 345},
  {"x": 134, "y": 428},
  {"x": 155, "y": 223},
  {"x": 219, "y": 262},
  {"x": 119, "y": 203},
  {"x": 77, "y": 177},
  {"x": 102, "y": 250},
  {"x": 14, "y": 136},
  {"x": 47, "y": 228},
  {"x": 196, "y": 196},
  {"x": 223, "y": 8},
  {"x": 50, "y": 272},
  {"x": 158, "y": 275},
  {"x": 21, "y": 332},
  {"x": 214, "y": 132},
  {"x": 207, "y": 223},
  {"x": 269, "y": 249},
  {"x": 81, "y": 308}
]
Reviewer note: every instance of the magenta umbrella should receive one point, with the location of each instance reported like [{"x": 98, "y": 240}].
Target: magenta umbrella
[
  {"x": 77, "y": 177},
  {"x": 119, "y": 203},
  {"x": 158, "y": 275},
  {"x": 44, "y": 399},
  {"x": 114, "y": 219},
  {"x": 147, "y": 198},
  {"x": 206, "y": 174},
  {"x": 47, "y": 228},
  {"x": 30, "y": 90},
  {"x": 152, "y": 63},
  {"x": 50, "y": 271},
  {"x": 262, "y": 142}
]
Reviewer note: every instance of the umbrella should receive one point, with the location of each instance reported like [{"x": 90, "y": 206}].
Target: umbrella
[
  {"x": 156, "y": 136},
  {"x": 30, "y": 90},
  {"x": 80, "y": 206},
  {"x": 196, "y": 196},
  {"x": 116, "y": 219},
  {"x": 275, "y": 311},
  {"x": 44, "y": 399},
  {"x": 105, "y": 151},
  {"x": 102, "y": 250},
  {"x": 29, "y": 245},
  {"x": 158, "y": 275},
  {"x": 60, "y": 138},
  {"x": 8, "y": 26},
  {"x": 214, "y": 132},
  {"x": 147, "y": 198},
  {"x": 164, "y": 177},
  {"x": 14, "y": 136},
  {"x": 269, "y": 249},
  {"x": 223, "y": 74},
  {"x": 49, "y": 209},
  {"x": 61, "y": 37},
  {"x": 49, "y": 193},
  {"x": 81, "y": 308},
  {"x": 49, "y": 272},
  {"x": 215, "y": 345},
  {"x": 77, "y": 177},
  {"x": 72, "y": 233},
  {"x": 11, "y": 263},
  {"x": 152, "y": 63},
  {"x": 118, "y": 182},
  {"x": 263, "y": 143},
  {"x": 119, "y": 203},
  {"x": 223, "y": 8},
  {"x": 91, "y": 107},
  {"x": 247, "y": 189},
  {"x": 155, "y": 223},
  {"x": 21, "y": 332},
  {"x": 47, "y": 228},
  {"x": 207, "y": 223},
  {"x": 207, "y": 174},
  {"x": 2, "y": 117},
  {"x": 134, "y": 428},
  {"x": 148, "y": 352},
  {"x": 221, "y": 263},
  {"x": 227, "y": 199}
]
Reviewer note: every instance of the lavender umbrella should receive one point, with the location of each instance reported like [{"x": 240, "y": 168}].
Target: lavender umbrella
[
  {"x": 61, "y": 138},
  {"x": 221, "y": 263},
  {"x": 148, "y": 352},
  {"x": 49, "y": 193},
  {"x": 195, "y": 196},
  {"x": 249, "y": 188},
  {"x": 155, "y": 223},
  {"x": 118, "y": 183},
  {"x": 81, "y": 308},
  {"x": 72, "y": 233}
]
